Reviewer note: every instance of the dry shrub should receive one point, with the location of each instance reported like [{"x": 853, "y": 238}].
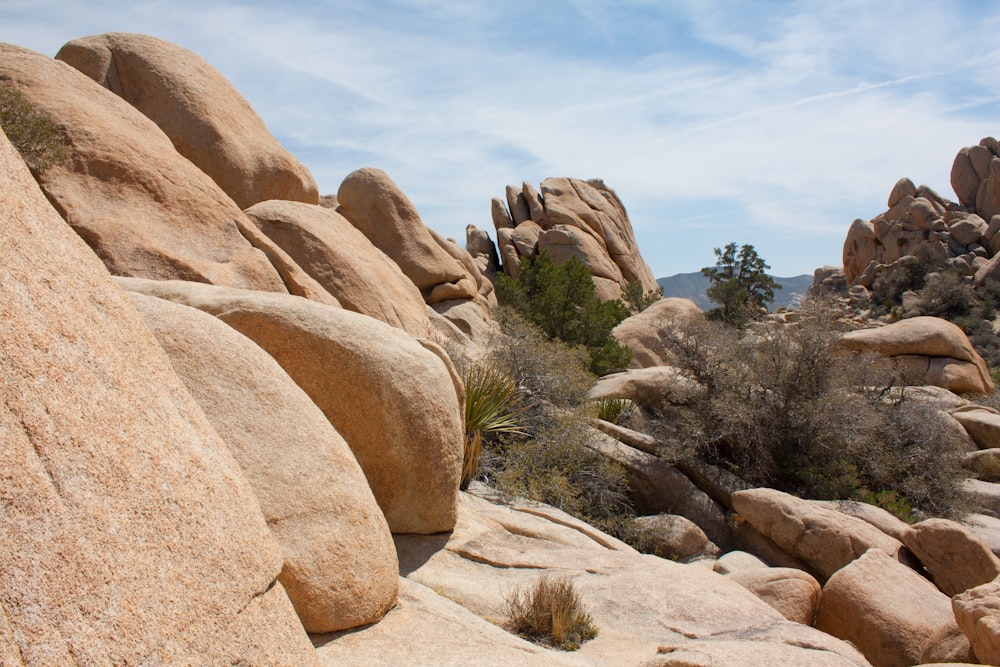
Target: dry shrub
[
  {"x": 31, "y": 131},
  {"x": 550, "y": 612}
]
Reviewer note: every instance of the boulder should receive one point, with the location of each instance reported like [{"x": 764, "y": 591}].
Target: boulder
[
  {"x": 653, "y": 387},
  {"x": 984, "y": 463},
  {"x": 823, "y": 538},
  {"x": 861, "y": 248},
  {"x": 948, "y": 646},
  {"x": 375, "y": 205},
  {"x": 954, "y": 557},
  {"x": 884, "y": 608},
  {"x": 985, "y": 496},
  {"x": 981, "y": 422},
  {"x": 793, "y": 593},
  {"x": 207, "y": 120},
  {"x": 977, "y": 612},
  {"x": 888, "y": 523},
  {"x": 674, "y": 537},
  {"x": 340, "y": 568},
  {"x": 930, "y": 337},
  {"x": 130, "y": 535},
  {"x": 986, "y": 528},
  {"x": 483, "y": 252},
  {"x": 720, "y": 653},
  {"x": 144, "y": 208},
  {"x": 342, "y": 259},
  {"x": 738, "y": 561},
  {"x": 397, "y": 403},
  {"x": 643, "y": 331}
]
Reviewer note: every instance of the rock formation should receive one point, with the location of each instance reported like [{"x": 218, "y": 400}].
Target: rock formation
[
  {"x": 207, "y": 120},
  {"x": 571, "y": 217}
]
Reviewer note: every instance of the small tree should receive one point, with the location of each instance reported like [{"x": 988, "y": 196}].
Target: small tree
[
  {"x": 561, "y": 300},
  {"x": 740, "y": 284}
]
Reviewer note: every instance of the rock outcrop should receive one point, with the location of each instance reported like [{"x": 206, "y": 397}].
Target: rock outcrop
[
  {"x": 340, "y": 568},
  {"x": 930, "y": 351},
  {"x": 572, "y": 218},
  {"x": 977, "y": 611},
  {"x": 130, "y": 534},
  {"x": 145, "y": 209},
  {"x": 644, "y": 331},
  {"x": 207, "y": 120},
  {"x": 397, "y": 403},
  {"x": 954, "y": 557}
]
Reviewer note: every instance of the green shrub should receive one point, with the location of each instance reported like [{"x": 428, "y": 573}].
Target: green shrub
[
  {"x": 614, "y": 410},
  {"x": 32, "y": 132},
  {"x": 492, "y": 406},
  {"x": 550, "y": 611},
  {"x": 636, "y": 300},
  {"x": 561, "y": 301},
  {"x": 909, "y": 273},
  {"x": 739, "y": 284}
]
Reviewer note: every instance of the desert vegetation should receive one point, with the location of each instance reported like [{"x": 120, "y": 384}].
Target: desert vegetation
[
  {"x": 550, "y": 612},
  {"x": 33, "y": 133}
]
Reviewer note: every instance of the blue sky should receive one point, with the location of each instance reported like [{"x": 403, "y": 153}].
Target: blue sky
[{"x": 770, "y": 123}]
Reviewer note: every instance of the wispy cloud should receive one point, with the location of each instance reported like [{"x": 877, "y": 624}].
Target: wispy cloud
[{"x": 769, "y": 123}]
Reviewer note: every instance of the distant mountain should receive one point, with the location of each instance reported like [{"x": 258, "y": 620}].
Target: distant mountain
[{"x": 694, "y": 285}]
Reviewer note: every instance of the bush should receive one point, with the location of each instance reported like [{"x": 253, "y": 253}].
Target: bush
[
  {"x": 492, "y": 406},
  {"x": 561, "y": 301},
  {"x": 614, "y": 410},
  {"x": 636, "y": 300},
  {"x": 740, "y": 285},
  {"x": 789, "y": 410},
  {"x": 32, "y": 132},
  {"x": 550, "y": 611},
  {"x": 909, "y": 273}
]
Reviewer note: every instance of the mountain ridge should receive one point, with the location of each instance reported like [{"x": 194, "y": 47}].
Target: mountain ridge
[{"x": 695, "y": 286}]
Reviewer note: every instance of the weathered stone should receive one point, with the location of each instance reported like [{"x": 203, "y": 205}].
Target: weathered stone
[
  {"x": 948, "y": 646},
  {"x": 860, "y": 249},
  {"x": 396, "y": 402},
  {"x": 342, "y": 259},
  {"x": 145, "y": 209},
  {"x": 517, "y": 205},
  {"x": 207, "y": 120},
  {"x": 653, "y": 387},
  {"x": 674, "y": 537},
  {"x": 564, "y": 241},
  {"x": 525, "y": 238},
  {"x": 953, "y": 555},
  {"x": 985, "y": 463},
  {"x": 792, "y": 593},
  {"x": 479, "y": 245},
  {"x": 981, "y": 422},
  {"x": 535, "y": 205},
  {"x": 983, "y": 495},
  {"x": 738, "y": 561},
  {"x": 977, "y": 611},
  {"x": 130, "y": 535},
  {"x": 500, "y": 214},
  {"x": 902, "y": 188},
  {"x": 889, "y": 524},
  {"x": 964, "y": 179},
  {"x": 884, "y": 608},
  {"x": 820, "y": 536},
  {"x": 643, "y": 332}
]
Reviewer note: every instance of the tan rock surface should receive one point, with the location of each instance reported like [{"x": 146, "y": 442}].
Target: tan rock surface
[
  {"x": 641, "y": 332},
  {"x": 884, "y": 608},
  {"x": 953, "y": 555},
  {"x": 674, "y": 537},
  {"x": 822, "y": 537},
  {"x": 145, "y": 209},
  {"x": 793, "y": 593},
  {"x": 639, "y": 603},
  {"x": 982, "y": 423},
  {"x": 342, "y": 259},
  {"x": 393, "y": 401},
  {"x": 130, "y": 534},
  {"x": 888, "y": 523},
  {"x": 977, "y": 611},
  {"x": 653, "y": 387},
  {"x": 922, "y": 336},
  {"x": 375, "y": 205},
  {"x": 207, "y": 120},
  {"x": 340, "y": 568},
  {"x": 984, "y": 463},
  {"x": 724, "y": 653}
]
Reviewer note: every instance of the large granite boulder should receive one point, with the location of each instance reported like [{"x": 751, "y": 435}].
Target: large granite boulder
[
  {"x": 397, "y": 402},
  {"x": 342, "y": 259},
  {"x": 207, "y": 120},
  {"x": 144, "y": 208},
  {"x": 130, "y": 535},
  {"x": 954, "y": 557},
  {"x": 825, "y": 539},
  {"x": 930, "y": 350},
  {"x": 644, "y": 331},
  {"x": 977, "y": 611},
  {"x": 340, "y": 568}
]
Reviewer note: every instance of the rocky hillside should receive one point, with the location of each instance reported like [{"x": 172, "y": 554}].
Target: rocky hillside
[{"x": 233, "y": 422}]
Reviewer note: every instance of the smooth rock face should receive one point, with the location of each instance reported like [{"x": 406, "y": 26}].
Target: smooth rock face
[
  {"x": 822, "y": 537},
  {"x": 927, "y": 337},
  {"x": 145, "y": 209},
  {"x": 340, "y": 568},
  {"x": 982, "y": 423},
  {"x": 130, "y": 535},
  {"x": 397, "y": 404},
  {"x": 884, "y": 608},
  {"x": 653, "y": 387},
  {"x": 207, "y": 120},
  {"x": 674, "y": 537},
  {"x": 376, "y": 206},
  {"x": 793, "y": 593},
  {"x": 342, "y": 259},
  {"x": 642, "y": 332},
  {"x": 954, "y": 557},
  {"x": 977, "y": 611}
]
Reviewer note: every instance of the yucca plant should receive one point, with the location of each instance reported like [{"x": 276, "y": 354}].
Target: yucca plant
[
  {"x": 613, "y": 409},
  {"x": 492, "y": 405}
]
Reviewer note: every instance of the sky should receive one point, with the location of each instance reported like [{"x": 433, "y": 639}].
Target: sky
[{"x": 756, "y": 121}]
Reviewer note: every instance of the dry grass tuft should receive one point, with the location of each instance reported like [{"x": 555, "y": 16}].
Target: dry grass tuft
[{"x": 550, "y": 612}]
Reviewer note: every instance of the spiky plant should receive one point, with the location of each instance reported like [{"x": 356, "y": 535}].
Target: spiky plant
[
  {"x": 492, "y": 405},
  {"x": 613, "y": 409}
]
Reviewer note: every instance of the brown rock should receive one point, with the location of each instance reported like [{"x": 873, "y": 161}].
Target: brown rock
[
  {"x": 903, "y": 187},
  {"x": 822, "y": 537},
  {"x": 207, "y": 120},
  {"x": 342, "y": 259},
  {"x": 377, "y": 207},
  {"x": 653, "y": 387},
  {"x": 143, "y": 208},
  {"x": 923, "y": 336},
  {"x": 884, "y": 608},
  {"x": 954, "y": 557},
  {"x": 977, "y": 611},
  {"x": 395, "y": 403},
  {"x": 340, "y": 568},
  {"x": 129, "y": 533},
  {"x": 517, "y": 205},
  {"x": 563, "y": 242},
  {"x": 985, "y": 463},
  {"x": 525, "y": 238},
  {"x": 674, "y": 537},
  {"x": 643, "y": 331},
  {"x": 948, "y": 646},
  {"x": 964, "y": 179},
  {"x": 536, "y": 206},
  {"x": 888, "y": 523},
  {"x": 860, "y": 249},
  {"x": 722, "y": 653},
  {"x": 500, "y": 214},
  {"x": 793, "y": 593},
  {"x": 982, "y": 423},
  {"x": 482, "y": 250}
]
